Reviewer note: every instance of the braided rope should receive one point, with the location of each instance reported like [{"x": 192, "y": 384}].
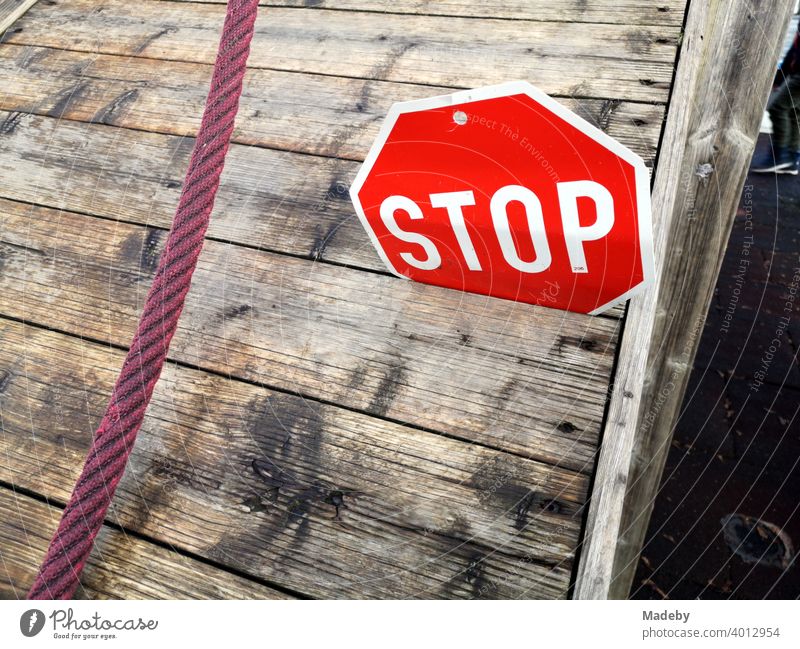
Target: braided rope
[{"x": 83, "y": 516}]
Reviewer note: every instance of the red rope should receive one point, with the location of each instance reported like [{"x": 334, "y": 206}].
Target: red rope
[{"x": 105, "y": 463}]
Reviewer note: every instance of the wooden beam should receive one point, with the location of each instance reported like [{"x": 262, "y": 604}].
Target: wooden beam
[
  {"x": 11, "y": 11},
  {"x": 726, "y": 66}
]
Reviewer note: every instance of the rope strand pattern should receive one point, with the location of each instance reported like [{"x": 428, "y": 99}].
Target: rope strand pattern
[{"x": 113, "y": 442}]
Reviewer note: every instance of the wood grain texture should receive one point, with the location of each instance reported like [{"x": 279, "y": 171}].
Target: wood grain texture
[
  {"x": 121, "y": 567},
  {"x": 506, "y": 375},
  {"x": 11, "y": 11},
  {"x": 621, "y": 12},
  {"x": 307, "y": 113},
  {"x": 726, "y": 67},
  {"x": 422, "y": 516},
  {"x": 627, "y": 62},
  {"x": 269, "y": 199}
]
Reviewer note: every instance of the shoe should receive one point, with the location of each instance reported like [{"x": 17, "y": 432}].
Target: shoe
[
  {"x": 794, "y": 169},
  {"x": 783, "y": 162}
]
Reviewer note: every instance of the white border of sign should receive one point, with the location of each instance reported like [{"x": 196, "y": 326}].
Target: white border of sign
[{"x": 642, "y": 175}]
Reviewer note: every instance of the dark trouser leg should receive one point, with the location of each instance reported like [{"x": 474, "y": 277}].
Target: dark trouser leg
[{"x": 784, "y": 111}]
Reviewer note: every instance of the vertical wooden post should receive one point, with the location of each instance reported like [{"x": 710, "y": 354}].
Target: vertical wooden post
[
  {"x": 11, "y": 11},
  {"x": 726, "y": 66}
]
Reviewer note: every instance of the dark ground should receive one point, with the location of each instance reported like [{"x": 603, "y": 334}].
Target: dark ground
[{"x": 736, "y": 450}]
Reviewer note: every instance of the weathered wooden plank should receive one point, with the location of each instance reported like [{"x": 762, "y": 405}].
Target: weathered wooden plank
[
  {"x": 277, "y": 200},
  {"x": 506, "y": 375},
  {"x": 423, "y": 515},
  {"x": 726, "y": 67},
  {"x": 120, "y": 567},
  {"x": 608, "y": 61},
  {"x": 308, "y": 113},
  {"x": 12, "y": 10},
  {"x": 622, "y": 12}
]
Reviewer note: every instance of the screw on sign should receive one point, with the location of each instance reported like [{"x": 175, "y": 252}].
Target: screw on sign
[{"x": 503, "y": 191}]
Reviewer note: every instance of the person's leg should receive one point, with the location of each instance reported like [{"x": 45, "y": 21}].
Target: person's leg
[
  {"x": 783, "y": 110},
  {"x": 780, "y": 114},
  {"x": 792, "y": 103}
]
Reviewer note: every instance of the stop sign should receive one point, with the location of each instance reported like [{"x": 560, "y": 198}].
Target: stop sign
[{"x": 505, "y": 192}]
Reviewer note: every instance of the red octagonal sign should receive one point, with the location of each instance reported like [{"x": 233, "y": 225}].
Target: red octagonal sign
[{"x": 503, "y": 191}]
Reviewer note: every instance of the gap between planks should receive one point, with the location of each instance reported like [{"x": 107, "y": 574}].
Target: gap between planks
[{"x": 667, "y": 12}]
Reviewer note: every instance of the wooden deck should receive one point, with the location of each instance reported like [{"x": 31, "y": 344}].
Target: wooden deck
[{"x": 461, "y": 430}]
